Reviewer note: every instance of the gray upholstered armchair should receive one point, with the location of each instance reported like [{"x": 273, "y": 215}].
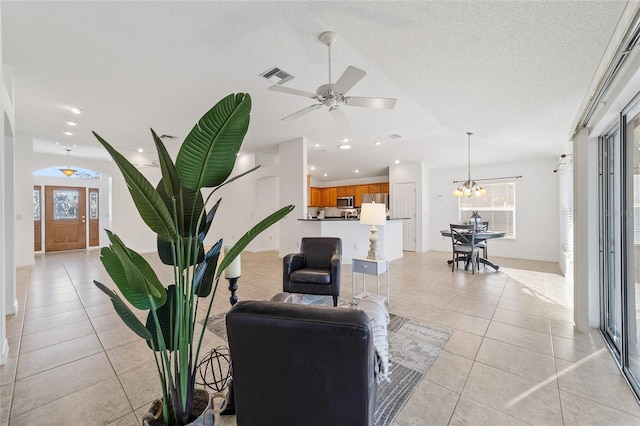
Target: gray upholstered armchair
[{"x": 316, "y": 269}]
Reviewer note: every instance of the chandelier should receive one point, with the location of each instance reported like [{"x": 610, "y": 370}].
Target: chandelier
[
  {"x": 469, "y": 187},
  {"x": 68, "y": 172}
]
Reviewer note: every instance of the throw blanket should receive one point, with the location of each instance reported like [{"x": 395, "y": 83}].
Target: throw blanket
[{"x": 379, "y": 317}]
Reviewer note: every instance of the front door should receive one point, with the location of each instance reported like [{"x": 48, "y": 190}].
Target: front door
[{"x": 65, "y": 218}]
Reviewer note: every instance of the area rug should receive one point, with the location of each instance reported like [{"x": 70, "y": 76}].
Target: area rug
[{"x": 413, "y": 347}]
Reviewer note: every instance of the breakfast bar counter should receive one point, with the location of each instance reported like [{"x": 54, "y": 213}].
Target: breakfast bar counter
[{"x": 355, "y": 237}]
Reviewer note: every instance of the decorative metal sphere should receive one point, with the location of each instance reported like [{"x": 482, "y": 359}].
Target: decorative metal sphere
[{"x": 214, "y": 369}]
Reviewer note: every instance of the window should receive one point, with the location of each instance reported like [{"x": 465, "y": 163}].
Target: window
[{"x": 497, "y": 206}]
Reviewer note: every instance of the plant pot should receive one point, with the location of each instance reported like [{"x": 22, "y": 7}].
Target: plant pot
[{"x": 202, "y": 405}]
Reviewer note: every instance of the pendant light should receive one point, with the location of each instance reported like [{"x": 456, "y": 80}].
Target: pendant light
[
  {"x": 68, "y": 172},
  {"x": 469, "y": 187}
]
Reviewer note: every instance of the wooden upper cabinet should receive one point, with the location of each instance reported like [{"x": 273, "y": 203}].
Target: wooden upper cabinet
[
  {"x": 326, "y": 197},
  {"x": 360, "y": 190},
  {"x": 316, "y": 197},
  {"x": 329, "y": 196},
  {"x": 349, "y": 191}
]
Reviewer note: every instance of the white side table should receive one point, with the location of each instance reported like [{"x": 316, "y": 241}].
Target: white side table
[{"x": 366, "y": 267}]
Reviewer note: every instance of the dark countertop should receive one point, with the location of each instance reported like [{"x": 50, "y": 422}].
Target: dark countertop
[{"x": 340, "y": 219}]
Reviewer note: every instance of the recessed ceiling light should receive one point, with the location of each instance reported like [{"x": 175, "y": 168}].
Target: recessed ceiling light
[
  {"x": 357, "y": 171},
  {"x": 377, "y": 143},
  {"x": 71, "y": 123},
  {"x": 140, "y": 150},
  {"x": 397, "y": 161},
  {"x": 317, "y": 145},
  {"x": 76, "y": 110},
  {"x": 68, "y": 133},
  {"x": 57, "y": 143},
  {"x": 312, "y": 167},
  {"x": 344, "y": 146},
  {"x": 325, "y": 175}
]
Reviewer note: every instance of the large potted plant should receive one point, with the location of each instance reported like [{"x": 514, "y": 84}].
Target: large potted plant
[{"x": 177, "y": 211}]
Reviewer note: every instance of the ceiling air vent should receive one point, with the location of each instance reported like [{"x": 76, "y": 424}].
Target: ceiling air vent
[
  {"x": 395, "y": 136},
  {"x": 276, "y": 75}
]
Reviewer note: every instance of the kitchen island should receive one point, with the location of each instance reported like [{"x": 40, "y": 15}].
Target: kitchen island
[{"x": 355, "y": 237}]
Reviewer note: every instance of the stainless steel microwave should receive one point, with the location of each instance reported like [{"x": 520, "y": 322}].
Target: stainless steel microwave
[{"x": 344, "y": 202}]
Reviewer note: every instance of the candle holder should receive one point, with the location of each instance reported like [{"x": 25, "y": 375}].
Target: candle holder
[{"x": 233, "y": 287}]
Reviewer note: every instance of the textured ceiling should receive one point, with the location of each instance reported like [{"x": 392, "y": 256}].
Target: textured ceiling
[{"x": 512, "y": 72}]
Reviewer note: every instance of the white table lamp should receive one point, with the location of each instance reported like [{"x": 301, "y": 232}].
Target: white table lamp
[{"x": 373, "y": 214}]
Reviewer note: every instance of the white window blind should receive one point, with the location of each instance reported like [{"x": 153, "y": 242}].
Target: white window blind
[{"x": 497, "y": 206}]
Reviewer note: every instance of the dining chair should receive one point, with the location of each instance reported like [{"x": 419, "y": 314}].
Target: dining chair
[
  {"x": 464, "y": 246},
  {"x": 483, "y": 243}
]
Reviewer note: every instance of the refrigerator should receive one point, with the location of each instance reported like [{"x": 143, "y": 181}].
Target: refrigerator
[{"x": 381, "y": 198}]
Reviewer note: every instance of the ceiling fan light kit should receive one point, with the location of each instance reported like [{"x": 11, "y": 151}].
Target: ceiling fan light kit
[{"x": 333, "y": 95}]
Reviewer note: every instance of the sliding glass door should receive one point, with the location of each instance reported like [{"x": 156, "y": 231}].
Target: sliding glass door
[
  {"x": 619, "y": 191},
  {"x": 630, "y": 301},
  {"x": 611, "y": 239}
]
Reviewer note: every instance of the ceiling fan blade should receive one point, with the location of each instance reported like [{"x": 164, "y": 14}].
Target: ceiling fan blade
[
  {"x": 291, "y": 91},
  {"x": 301, "y": 112},
  {"x": 349, "y": 78},
  {"x": 339, "y": 117},
  {"x": 382, "y": 103}
]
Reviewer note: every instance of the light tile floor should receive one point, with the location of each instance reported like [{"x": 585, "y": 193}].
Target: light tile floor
[{"x": 514, "y": 357}]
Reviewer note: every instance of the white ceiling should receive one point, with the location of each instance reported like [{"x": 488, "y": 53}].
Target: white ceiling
[{"x": 512, "y": 72}]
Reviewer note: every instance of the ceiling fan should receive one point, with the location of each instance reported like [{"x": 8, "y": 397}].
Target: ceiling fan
[{"x": 332, "y": 95}]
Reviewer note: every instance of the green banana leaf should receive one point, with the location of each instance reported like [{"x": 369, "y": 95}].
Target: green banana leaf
[
  {"x": 205, "y": 271},
  {"x": 147, "y": 200},
  {"x": 166, "y": 318},
  {"x": 208, "y": 221},
  {"x": 189, "y": 206},
  {"x": 208, "y": 153},
  {"x": 165, "y": 251},
  {"x": 132, "y": 274},
  {"x": 169, "y": 173},
  {"x": 125, "y": 313}
]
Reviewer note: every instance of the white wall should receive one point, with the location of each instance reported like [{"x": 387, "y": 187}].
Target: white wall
[
  {"x": 293, "y": 190},
  {"x": 536, "y": 208}
]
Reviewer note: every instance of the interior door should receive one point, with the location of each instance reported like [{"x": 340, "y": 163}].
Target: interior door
[
  {"x": 94, "y": 217},
  {"x": 37, "y": 218},
  {"x": 404, "y": 205},
  {"x": 65, "y": 218}
]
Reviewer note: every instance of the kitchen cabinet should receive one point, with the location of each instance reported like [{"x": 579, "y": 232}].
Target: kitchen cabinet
[
  {"x": 374, "y": 188},
  {"x": 360, "y": 190},
  {"x": 316, "y": 197},
  {"x": 326, "y": 197},
  {"x": 329, "y": 196}
]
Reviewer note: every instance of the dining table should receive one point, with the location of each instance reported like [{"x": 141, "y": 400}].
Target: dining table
[{"x": 479, "y": 236}]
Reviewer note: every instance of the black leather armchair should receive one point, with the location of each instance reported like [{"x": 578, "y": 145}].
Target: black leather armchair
[
  {"x": 301, "y": 365},
  {"x": 316, "y": 269}
]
